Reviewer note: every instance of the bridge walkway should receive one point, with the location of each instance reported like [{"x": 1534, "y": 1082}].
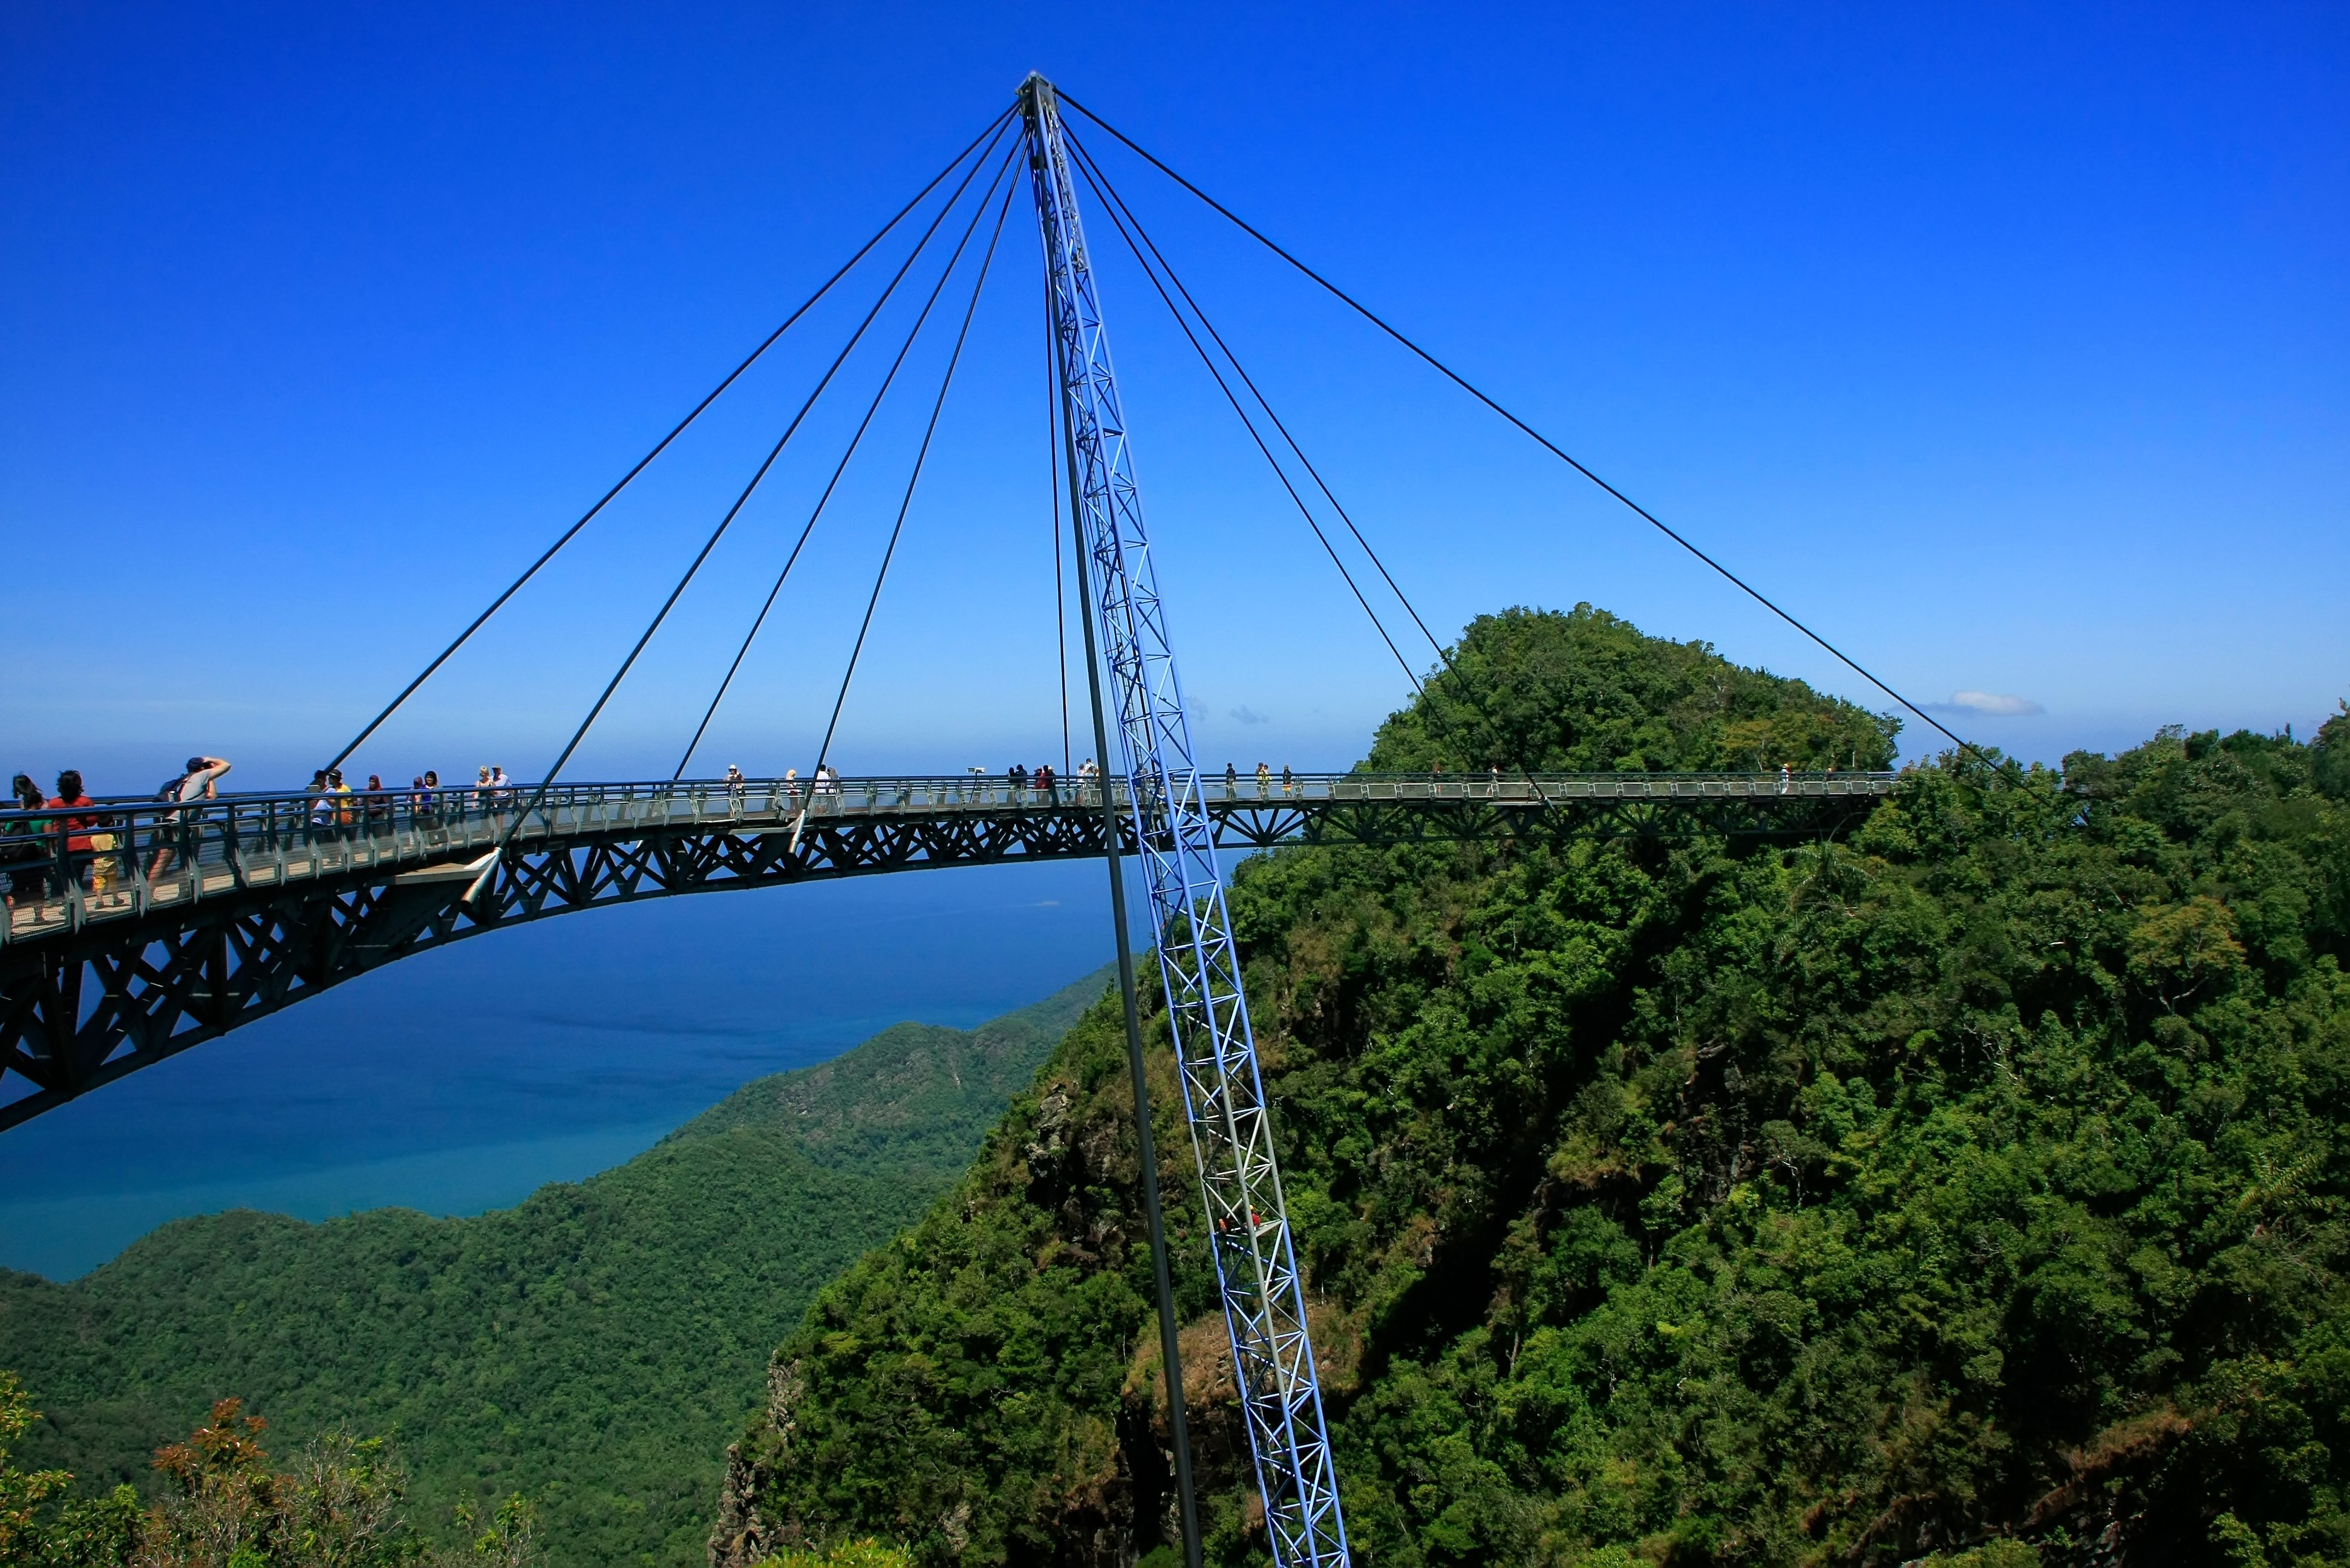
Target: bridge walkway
[{"x": 150, "y": 859}]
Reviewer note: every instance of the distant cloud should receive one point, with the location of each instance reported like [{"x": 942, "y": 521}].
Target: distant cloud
[
  {"x": 1245, "y": 714},
  {"x": 1992, "y": 704}
]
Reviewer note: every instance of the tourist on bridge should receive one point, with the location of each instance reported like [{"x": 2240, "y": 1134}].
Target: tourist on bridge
[
  {"x": 346, "y": 810},
  {"x": 1288, "y": 780},
  {"x": 1263, "y": 780},
  {"x": 1232, "y": 782},
  {"x": 734, "y": 782},
  {"x": 1047, "y": 785},
  {"x": 23, "y": 855},
  {"x": 502, "y": 788},
  {"x": 93, "y": 863},
  {"x": 430, "y": 802},
  {"x": 1018, "y": 778},
  {"x": 199, "y": 780},
  {"x": 322, "y": 805}
]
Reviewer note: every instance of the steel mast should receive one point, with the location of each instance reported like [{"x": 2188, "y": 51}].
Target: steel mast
[{"x": 1223, "y": 1095}]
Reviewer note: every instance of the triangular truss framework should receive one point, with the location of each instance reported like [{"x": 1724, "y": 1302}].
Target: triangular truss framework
[{"x": 1223, "y": 1095}]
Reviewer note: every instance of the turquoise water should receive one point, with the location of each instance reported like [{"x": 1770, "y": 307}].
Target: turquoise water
[
  {"x": 459, "y": 1081},
  {"x": 65, "y": 1236}
]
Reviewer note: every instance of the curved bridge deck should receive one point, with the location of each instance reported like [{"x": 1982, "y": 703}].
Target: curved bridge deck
[{"x": 174, "y": 924}]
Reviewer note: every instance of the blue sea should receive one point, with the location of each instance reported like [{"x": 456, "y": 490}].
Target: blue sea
[{"x": 460, "y": 1080}]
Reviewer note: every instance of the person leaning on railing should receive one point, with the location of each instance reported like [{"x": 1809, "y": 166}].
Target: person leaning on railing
[{"x": 199, "y": 781}]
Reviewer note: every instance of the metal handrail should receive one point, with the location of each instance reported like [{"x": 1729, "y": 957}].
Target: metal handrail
[
  {"x": 122, "y": 857},
  {"x": 1312, "y": 784}
]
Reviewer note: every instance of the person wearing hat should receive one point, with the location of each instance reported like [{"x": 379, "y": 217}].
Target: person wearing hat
[{"x": 200, "y": 782}]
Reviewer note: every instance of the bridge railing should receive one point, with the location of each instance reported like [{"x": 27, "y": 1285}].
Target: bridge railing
[
  {"x": 121, "y": 859},
  {"x": 1246, "y": 789}
]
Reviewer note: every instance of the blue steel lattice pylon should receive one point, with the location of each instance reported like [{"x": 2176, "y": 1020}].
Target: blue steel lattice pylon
[{"x": 1223, "y": 1095}]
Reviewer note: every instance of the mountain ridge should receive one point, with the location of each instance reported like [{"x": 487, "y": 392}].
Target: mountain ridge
[
  {"x": 590, "y": 1346},
  {"x": 1974, "y": 1187}
]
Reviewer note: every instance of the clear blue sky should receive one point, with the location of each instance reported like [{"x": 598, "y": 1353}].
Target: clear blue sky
[{"x": 2005, "y": 343}]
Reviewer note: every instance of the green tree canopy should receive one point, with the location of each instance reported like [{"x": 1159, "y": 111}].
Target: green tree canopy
[
  {"x": 1584, "y": 691},
  {"x": 1975, "y": 1185}
]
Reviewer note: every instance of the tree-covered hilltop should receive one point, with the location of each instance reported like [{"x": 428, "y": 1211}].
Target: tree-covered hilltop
[
  {"x": 1587, "y": 692},
  {"x": 1973, "y": 1184},
  {"x": 591, "y": 1349}
]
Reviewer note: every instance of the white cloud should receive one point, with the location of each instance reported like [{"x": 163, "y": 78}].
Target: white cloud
[
  {"x": 1245, "y": 716},
  {"x": 1993, "y": 704}
]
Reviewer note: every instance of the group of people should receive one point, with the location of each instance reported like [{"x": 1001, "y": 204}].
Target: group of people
[
  {"x": 1043, "y": 783},
  {"x": 825, "y": 780},
  {"x": 1263, "y": 781},
  {"x": 336, "y": 806},
  {"x": 73, "y": 839},
  {"x": 1043, "y": 780},
  {"x": 78, "y": 842}
]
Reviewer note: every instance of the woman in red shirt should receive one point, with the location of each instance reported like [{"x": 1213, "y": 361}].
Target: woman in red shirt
[{"x": 78, "y": 830}]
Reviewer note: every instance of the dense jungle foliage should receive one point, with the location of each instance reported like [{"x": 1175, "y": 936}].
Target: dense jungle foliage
[
  {"x": 220, "y": 1503},
  {"x": 1967, "y": 1183},
  {"x": 589, "y": 1350}
]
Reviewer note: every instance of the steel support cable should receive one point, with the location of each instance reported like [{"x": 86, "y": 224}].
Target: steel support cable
[
  {"x": 855, "y": 440},
  {"x": 1100, "y": 179},
  {"x": 1536, "y": 436},
  {"x": 1248, "y": 424},
  {"x": 1115, "y": 204},
  {"x": 906, "y": 504},
  {"x": 546, "y": 783},
  {"x": 994, "y": 128}
]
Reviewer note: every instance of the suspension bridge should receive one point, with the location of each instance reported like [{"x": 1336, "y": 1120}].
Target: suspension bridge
[{"x": 139, "y": 929}]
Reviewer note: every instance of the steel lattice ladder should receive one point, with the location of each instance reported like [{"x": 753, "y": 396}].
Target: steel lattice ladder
[{"x": 1223, "y": 1095}]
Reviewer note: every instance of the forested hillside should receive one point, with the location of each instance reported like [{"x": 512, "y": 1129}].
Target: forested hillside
[
  {"x": 1971, "y": 1184},
  {"x": 590, "y": 1350}
]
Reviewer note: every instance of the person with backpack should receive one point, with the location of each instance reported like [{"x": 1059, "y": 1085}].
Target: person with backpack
[{"x": 199, "y": 780}]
